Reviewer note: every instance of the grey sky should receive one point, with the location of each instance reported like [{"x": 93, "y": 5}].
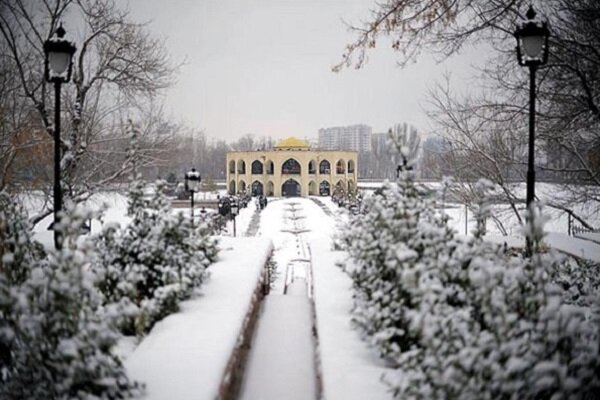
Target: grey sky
[{"x": 264, "y": 67}]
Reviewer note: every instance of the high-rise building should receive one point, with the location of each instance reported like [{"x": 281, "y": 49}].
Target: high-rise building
[
  {"x": 380, "y": 142},
  {"x": 353, "y": 137}
]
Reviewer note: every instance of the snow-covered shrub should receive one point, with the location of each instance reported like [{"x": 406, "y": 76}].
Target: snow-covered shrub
[
  {"x": 395, "y": 249},
  {"x": 462, "y": 319},
  {"x": 509, "y": 336},
  {"x": 579, "y": 279},
  {"x": 18, "y": 250},
  {"x": 62, "y": 338},
  {"x": 18, "y": 253},
  {"x": 155, "y": 261}
]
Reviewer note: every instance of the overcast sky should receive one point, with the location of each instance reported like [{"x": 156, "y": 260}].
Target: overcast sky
[{"x": 264, "y": 67}]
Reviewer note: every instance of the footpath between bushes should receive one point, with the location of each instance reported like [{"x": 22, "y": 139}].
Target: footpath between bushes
[{"x": 201, "y": 351}]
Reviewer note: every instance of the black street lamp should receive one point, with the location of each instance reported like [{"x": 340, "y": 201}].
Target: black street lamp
[
  {"x": 57, "y": 69},
  {"x": 192, "y": 182},
  {"x": 234, "y": 212},
  {"x": 532, "y": 51}
]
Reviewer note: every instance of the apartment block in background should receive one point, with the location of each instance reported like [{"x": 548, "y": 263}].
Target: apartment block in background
[{"x": 353, "y": 138}]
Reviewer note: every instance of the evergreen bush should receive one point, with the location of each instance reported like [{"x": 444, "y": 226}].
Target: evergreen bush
[
  {"x": 156, "y": 260},
  {"x": 59, "y": 338},
  {"x": 462, "y": 319}
]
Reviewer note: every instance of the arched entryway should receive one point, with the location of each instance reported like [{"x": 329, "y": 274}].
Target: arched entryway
[
  {"x": 324, "y": 189},
  {"x": 242, "y": 187},
  {"x": 312, "y": 188},
  {"x": 257, "y": 188},
  {"x": 270, "y": 189},
  {"x": 232, "y": 187},
  {"x": 290, "y": 188}
]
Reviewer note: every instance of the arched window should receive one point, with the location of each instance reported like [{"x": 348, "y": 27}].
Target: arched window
[
  {"x": 339, "y": 167},
  {"x": 270, "y": 189},
  {"x": 270, "y": 168},
  {"x": 242, "y": 187},
  {"x": 324, "y": 167},
  {"x": 241, "y": 167},
  {"x": 232, "y": 167},
  {"x": 257, "y": 167},
  {"x": 351, "y": 166},
  {"x": 291, "y": 166},
  {"x": 324, "y": 189},
  {"x": 232, "y": 187},
  {"x": 312, "y": 188},
  {"x": 312, "y": 167}
]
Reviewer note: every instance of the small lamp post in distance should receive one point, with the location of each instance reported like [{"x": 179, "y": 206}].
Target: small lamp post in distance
[
  {"x": 234, "y": 212},
  {"x": 532, "y": 51},
  {"x": 192, "y": 183},
  {"x": 58, "y": 65}
]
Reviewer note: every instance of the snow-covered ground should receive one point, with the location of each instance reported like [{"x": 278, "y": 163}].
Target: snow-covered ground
[
  {"x": 546, "y": 192},
  {"x": 281, "y": 364},
  {"x": 185, "y": 355},
  {"x": 349, "y": 368},
  {"x": 462, "y": 221}
]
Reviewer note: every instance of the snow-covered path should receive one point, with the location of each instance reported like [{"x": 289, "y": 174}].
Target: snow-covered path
[{"x": 281, "y": 364}]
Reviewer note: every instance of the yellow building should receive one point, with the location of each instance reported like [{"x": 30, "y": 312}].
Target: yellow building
[{"x": 291, "y": 168}]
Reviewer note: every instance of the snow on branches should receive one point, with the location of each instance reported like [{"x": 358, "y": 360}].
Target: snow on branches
[
  {"x": 462, "y": 318},
  {"x": 155, "y": 261},
  {"x": 56, "y": 337}
]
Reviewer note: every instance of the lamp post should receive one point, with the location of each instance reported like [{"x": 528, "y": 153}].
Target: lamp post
[
  {"x": 192, "y": 182},
  {"x": 234, "y": 213},
  {"x": 58, "y": 65},
  {"x": 532, "y": 51}
]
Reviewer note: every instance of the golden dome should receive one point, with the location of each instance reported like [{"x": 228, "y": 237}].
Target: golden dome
[{"x": 291, "y": 142}]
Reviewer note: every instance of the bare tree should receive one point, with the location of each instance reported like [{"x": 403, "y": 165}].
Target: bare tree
[
  {"x": 487, "y": 131},
  {"x": 118, "y": 64}
]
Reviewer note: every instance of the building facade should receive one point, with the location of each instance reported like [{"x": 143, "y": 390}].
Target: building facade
[
  {"x": 291, "y": 168},
  {"x": 353, "y": 137}
]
